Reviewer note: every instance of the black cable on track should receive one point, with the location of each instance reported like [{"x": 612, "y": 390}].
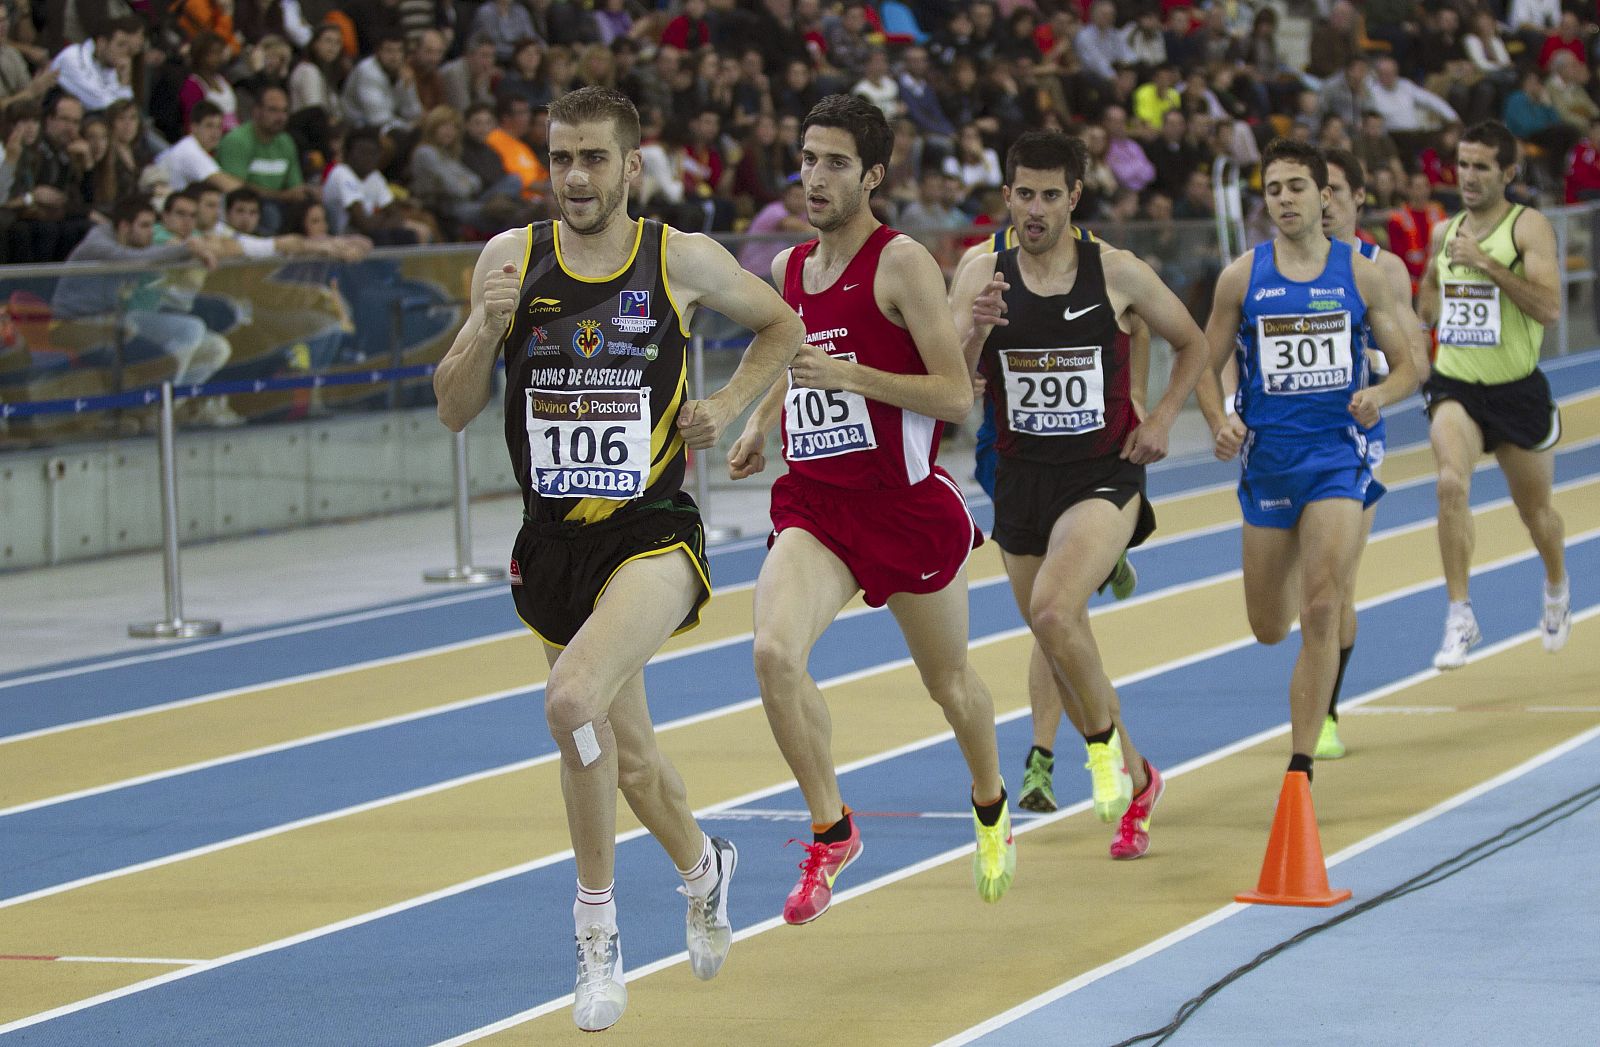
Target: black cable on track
[{"x": 1462, "y": 860}]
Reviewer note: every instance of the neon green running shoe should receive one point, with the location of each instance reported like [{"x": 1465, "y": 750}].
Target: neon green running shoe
[
  {"x": 1124, "y": 579},
  {"x": 1038, "y": 785},
  {"x": 1113, "y": 786},
  {"x": 1329, "y": 747},
  {"x": 995, "y": 863}
]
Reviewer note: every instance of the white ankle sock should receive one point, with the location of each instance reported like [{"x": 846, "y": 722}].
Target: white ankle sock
[
  {"x": 595, "y": 907},
  {"x": 1558, "y": 591},
  {"x": 1460, "y": 608},
  {"x": 700, "y": 879}
]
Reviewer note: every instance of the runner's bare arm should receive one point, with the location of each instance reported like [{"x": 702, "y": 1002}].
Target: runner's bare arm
[
  {"x": 703, "y": 274},
  {"x": 461, "y": 383},
  {"x": 1395, "y": 275},
  {"x": 1222, "y": 332},
  {"x": 1538, "y": 292},
  {"x": 1134, "y": 287},
  {"x": 1387, "y": 319},
  {"x": 909, "y": 288},
  {"x": 1428, "y": 303},
  {"x": 746, "y": 457},
  {"x": 1139, "y": 365},
  {"x": 977, "y": 305}
]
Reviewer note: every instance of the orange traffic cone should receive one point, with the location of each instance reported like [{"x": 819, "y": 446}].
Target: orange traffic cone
[{"x": 1294, "y": 872}]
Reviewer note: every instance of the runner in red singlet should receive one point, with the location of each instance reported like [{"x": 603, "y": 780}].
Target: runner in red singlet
[{"x": 863, "y": 508}]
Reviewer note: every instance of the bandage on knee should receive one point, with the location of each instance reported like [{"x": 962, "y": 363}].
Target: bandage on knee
[{"x": 588, "y": 745}]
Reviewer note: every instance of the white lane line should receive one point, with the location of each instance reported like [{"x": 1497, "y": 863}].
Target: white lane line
[
  {"x": 146, "y": 960},
  {"x": 1139, "y": 954},
  {"x": 760, "y": 794}
]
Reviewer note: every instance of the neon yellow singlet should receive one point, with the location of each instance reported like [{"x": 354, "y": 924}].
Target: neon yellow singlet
[{"x": 1483, "y": 336}]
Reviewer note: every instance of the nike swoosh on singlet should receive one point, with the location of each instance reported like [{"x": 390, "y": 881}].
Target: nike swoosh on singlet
[
  {"x": 849, "y": 287},
  {"x": 930, "y": 574},
  {"x": 1070, "y": 315}
]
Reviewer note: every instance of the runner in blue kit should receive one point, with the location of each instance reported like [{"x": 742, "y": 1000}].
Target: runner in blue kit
[
  {"x": 1293, "y": 310},
  {"x": 1044, "y": 698}
]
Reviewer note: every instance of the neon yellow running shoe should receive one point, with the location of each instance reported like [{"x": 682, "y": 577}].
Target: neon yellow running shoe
[
  {"x": 1038, "y": 788},
  {"x": 1124, "y": 579},
  {"x": 1329, "y": 747},
  {"x": 1108, "y": 770},
  {"x": 995, "y": 863}
]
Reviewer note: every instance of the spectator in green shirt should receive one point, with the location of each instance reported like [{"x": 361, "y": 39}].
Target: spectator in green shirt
[{"x": 262, "y": 154}]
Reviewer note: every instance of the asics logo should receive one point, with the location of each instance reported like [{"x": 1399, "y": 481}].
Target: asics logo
[
  {"x": 1271, "y": 292},
  {"x": 1073, "y": 314}
]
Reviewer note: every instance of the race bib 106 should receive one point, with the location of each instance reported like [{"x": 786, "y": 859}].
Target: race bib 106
[
  {"x": 589, "y": 443},
  {"x": 1470, "y": 315},
  {"x": 1304, "y": 354},
  {"x": 1054, "y": 392},
  {"x": 823, "y": 423}
]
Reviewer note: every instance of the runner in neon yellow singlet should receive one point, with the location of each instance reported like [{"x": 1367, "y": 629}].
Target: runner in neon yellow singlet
[{"x": 1492, "y": 286}]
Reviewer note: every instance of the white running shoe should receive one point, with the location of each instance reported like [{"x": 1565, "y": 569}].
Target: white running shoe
[
  {"x": 707, "y": 929},
  {"x": 1460, "y": 636},
  {"x": 1556, "y": 622},
  {"x": 599, "y": 996}
]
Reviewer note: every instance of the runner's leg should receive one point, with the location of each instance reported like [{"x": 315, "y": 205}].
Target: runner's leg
[
  {"x": 645, "y": 603},
  {"x": 801, "y": 589},
  {"x": 1457, "y": 443},
  {"x": 935, "y": 626}
]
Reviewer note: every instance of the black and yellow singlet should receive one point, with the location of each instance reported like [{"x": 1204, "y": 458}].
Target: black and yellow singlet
[{"x": 596, "y": 370}]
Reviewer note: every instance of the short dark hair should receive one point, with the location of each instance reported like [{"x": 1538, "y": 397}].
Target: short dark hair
[
  {"x": 1285, "y": 150},
  {"x": 1048, "y": 151},
  {"x": 358, "y": 135},
  {"x": 242, "y": 195},
  {"x": 475, "y": 108},
  {"x": 863, "y": 121},
  {"x": 203, "y": 110},
  {"x": 1346, "y": 161},
  {"x": 172, "y": 198},
  {"x": 390, "y": 35},
  {"x": 193, "y": 191},
  {"x": 1497, "y": 136},
  {"x": 506, "y": 102},
  {"x": 127, "y": 210},
  {"x": 592, "y": 104}
]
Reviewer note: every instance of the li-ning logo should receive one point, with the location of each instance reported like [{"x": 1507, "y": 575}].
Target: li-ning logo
[
  {"x": 1271, "y": 292},
  {"x": 545, "y": 305},
  {"x": 588, "y": 339}
]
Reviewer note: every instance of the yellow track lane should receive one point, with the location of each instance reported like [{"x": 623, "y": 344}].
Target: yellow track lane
[
  {"x": 256, "y": 892},
  {"x": 100, "y": 754},
  {"x": 940, "y": 961}
]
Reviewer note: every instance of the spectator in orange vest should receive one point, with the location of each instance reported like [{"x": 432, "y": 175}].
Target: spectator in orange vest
[{"x": 518, "y": 157}]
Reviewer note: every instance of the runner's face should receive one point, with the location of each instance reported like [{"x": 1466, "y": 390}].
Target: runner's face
[
  {"x": 589, "y": 174},
  {"x": 830, "y": 169},
  {"x": 1479, "y": 176},
  {"x": 1339, "y": 217},
  {"x": 1041, "y": 207},
  {"x": 1294, "y": 203}
]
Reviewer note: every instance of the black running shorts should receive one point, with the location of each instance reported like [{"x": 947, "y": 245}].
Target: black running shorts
[
  {"x": 1029, "y": 497},
  {"x": 559, "y": 570},
  {"x": 1519, "y": 413}
]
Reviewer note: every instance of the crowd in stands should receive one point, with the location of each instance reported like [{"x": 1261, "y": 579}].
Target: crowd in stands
[{"x": 414, "y": 121}]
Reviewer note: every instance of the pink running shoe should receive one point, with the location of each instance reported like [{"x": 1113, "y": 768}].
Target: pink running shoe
[
  {"x": 824, "y": 862},
  {"x": 1133, "y": 832}
]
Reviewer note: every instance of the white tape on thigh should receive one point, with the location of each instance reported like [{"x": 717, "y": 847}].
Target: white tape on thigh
[{"x": 588, "y": 745}]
